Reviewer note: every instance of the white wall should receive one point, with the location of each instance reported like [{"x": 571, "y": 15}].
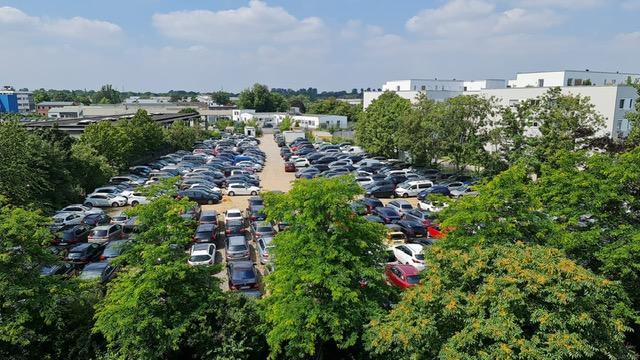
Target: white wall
[{"x": 569, "y": 77}]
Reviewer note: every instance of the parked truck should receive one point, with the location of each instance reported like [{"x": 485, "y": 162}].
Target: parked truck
[{"x": 290, "y": 136}]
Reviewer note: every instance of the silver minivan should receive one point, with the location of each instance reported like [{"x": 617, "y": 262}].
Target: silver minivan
[{"x": 413, "y": 188}]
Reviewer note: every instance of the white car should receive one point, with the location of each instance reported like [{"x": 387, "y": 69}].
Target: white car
[
  {"x": 413, "y": 188},
  {"x": 401, "y": 206},
  {"x": 249, "y": 164},
  {"x": 119, "y": 219},
  {"x": 410, "y": 254},
  {"x": 364, "y": 180},
  {"x": 137, "y": 198},
  {"x": 232, "y": 214},
  {"x": 202, "y": 254},
  {"x": 71, "y": 218},
  {"x": 432, "y": 206},
  {"x": 242, "y": 189},
  {"x": 467, "y": 191},
  {"x": 104, "y": 200},
  {"x": 79, "y": 208},
  {"x": 301, "y": 162},
  {"x": 113, "y": 190}
]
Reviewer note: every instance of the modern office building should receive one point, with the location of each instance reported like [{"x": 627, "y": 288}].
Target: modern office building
[
  {"x": 572, "y": 78},
  {"x": 24, "y": 98},
  {"x": 311, "y": 121},
  {"x": 9, "y": 103}
]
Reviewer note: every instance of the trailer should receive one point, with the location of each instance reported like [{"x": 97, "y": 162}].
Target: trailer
[{"x": 290, "y": 136}]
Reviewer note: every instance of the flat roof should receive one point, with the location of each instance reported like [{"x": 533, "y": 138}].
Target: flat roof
[
  {"x": 55, "y": 103},
  {"x": 585, "y": 71}
]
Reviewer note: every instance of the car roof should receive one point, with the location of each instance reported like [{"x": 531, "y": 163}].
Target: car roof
[
  {"x": 414, "y": 247},
  {"x": 102, "y": 227},
  {"x": 237, "y": 239},
  {"x": 234, "y": 210},
  {"x": 205, "y": 227},
  {"x": 201, "y": 246},
  {"x": 241, "y": 264},
  {"x": 408, "y": 270}
]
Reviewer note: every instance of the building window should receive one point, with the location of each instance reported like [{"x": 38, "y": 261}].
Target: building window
[
  {"x": 540, "y": 82},
  {"x": 398, "y": 88},
  {"x": 577, "y": 82},
  {"x": 414, "y": 87},
  {"x": 424, "y": 87},
  {"x": 465, "y": 88},
  {"x": 621, "y": 103},
  {"x": 569, "y": 81},
  {"x": 613, "y": 82},
  {"x": 630, "y": 103}
]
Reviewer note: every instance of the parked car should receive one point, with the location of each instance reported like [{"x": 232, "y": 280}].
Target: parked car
[
  {"x": 371, "y": 203},
  {"x": 234, "y": 227},
  {"x": 202, "y": 254},
  {"x": 413, "y": 188},
  {"x": 402, "y": 276},
  {"x": 65, "y": 219},
  {"x": 72, "y": 234},
  {"x": 410, "y": 254},
  {"x": 412, "y": 229},
  {"x": 119, "y": 219},
  {"x": 242, "y": 189},
  {"x": 289, "y": 166},
  {"x": 96, "y": 219},
  {"x": 84, "y": 253},
  {"x": 200, "y": 196},
  {"x": 137, "y": 198},
  {"x": 206, "y": 233},
  {"x": 237, "y": 248},
  {"x": 381, "y": 191},
  {"x": 102, "y": 271},
  {"x": 233, "y": 214},
  {"x": 104, "y": 233},
  {"x": 256, "y": 213},
  {"x": 464, "y": 191},
  {"x": 79, "y": 208},
  {"x": 401, "y": 206},
  {"x": 375, "y": 219},
  {"x": 242, "y": 275},
  {"x": 60, "y": 269},
  {"x": 395, "y": 237},
  {"x": 104, "y": 200},
  {"x": 117, "y": 190},
  {"x": 261, "y": 229},
  {"x": 424, "y": 217},
  {"x": 388, "y": 215},
  {"x": 208, "y": 217},
  {"x": 113, "y": 249},
  {"x": 436, "y": 190},
  {"x": 264, "y": 245}
]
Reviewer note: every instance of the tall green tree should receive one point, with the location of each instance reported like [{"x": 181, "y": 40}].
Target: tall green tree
[
  {"x": 633, "y": 139},
  {"x": 426, "y": 118},
  {"x": 317, "y": 296},
  {"x": 221, "y": 97},
  {"x": 107, "y": 95},
  {"x": 500, "y": 302},
  {"x": 334, "y": 106},
  {"x": 377, "y": 130},
  {"x": 286, "y": 123}
]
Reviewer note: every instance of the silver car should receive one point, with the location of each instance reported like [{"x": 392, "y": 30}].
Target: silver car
[
  {"x": 237, "y": 248},
  {"x": 265, "y": 246},
  {"x": 104, "y": 200}
]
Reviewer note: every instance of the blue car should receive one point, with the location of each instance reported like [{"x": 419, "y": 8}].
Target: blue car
[{"x": 437, "y": 189}]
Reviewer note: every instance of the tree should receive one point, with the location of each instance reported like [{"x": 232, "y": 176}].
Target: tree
[
  {"x": 426, "y": 118},
  {"x": 286, "y": 123},
  {"x": 334, "y": 106},
  {"x": 40, "y": 317},
  {"x": 299, "y": 101},
  {"x": 188, "y": 110},
  {"x": 107, "y": 95},
  {"x": 327, "y": 283},
  {"x": 90, "y": 168},
  {"x": 377, "y": 130},
  {"x": 512, "y": 301},
  {"x": 221, "y": 97},
  {"x": 180, "y": 136},
  {"x": 261, "y": 99}
]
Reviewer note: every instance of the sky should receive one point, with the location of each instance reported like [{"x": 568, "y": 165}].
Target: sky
[{"x": 207, "y": 45}]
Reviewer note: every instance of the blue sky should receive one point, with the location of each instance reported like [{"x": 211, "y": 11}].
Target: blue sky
[{"x": 207, "y": 45}]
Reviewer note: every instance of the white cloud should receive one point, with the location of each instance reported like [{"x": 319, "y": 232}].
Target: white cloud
[
  {"x": 12, "y": 19},
  {"x": 253, "y": 24},
  {"x": 565, "y": 4},
  {"x": 478, "y": 18}
]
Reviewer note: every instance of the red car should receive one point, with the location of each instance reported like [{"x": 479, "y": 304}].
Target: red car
[
  {"x": 402, "y": 276},
  {"x": 289, "y": 167}
]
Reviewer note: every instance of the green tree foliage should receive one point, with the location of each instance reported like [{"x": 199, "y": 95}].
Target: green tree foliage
[
  {"x": 40, "y": 317},
  {"x": 188, "y": 110},
  {"x": 107, "y": 95},
  {"x": 181, "y": 136},
  {"x": 261, "y": 99},
  {"x": 221, "y": 97},
  {"x": 333, "y": 106},
  {"x": 502, "y": 302},
  {"x": 316, "y": 299},
  {"x": 299, "y": 101},
  {"x": 90, "y": 168},
  {"x": 377, "y": 130},
  {"x": 286, "y": 124}
]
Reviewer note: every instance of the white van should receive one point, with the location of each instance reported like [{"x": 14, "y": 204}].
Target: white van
[
  {"x": 367, "y": 162},
  {"x": 412, "y": 188}
]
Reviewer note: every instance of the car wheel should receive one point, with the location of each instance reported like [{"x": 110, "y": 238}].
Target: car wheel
[
  {"x": 253, "y": 193},
  {"x": 115, "y": 204},
  {"x": 88, "y": 204},
  {"x": 405, "y": 195},
  {"x": 210, "y": 202},
  {"x": 231, "y": 193},
  {"x": 392, "y": 196},
  {"x": 134, "y": 203}
]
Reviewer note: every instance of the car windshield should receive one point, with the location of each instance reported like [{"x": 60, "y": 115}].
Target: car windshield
[
  {"x": 264, "y": 229},
  {"x": 240, "y": 247},
  {"x": 203, "y": 234},
  {"x": 119, "y": 218},
  {"x": 420, "y": 256},
  {"x": 68, "y": 235},
  {"x": 199, "y": 258},
  {"x": 413, "y": 279},
  {"x": 397, "y": 236},
  {"x": 208, "y": 218},
  {"x": 113, "y": 250},
  {"x": 99, "y": 232},
  {"x": 234, "y": 215},
  {"x": 243, "y": 274},
  {"x": 74, "y": 255},
  {"x": 58, "y": 220},
  {"x": 406, "y": 206}
]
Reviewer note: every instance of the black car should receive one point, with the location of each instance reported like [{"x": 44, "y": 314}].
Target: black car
[
  {"x": 358, "y": 207},
  {"x": 234, "y": 227},
  {"x": 396, "y": 178},
  {"x": 242, "y": 275},
  {"x": 424, "y": 217},
  {"x": 241, "y": 179},
  {"x": 387, "y": 214},
  {"x": 208, "y": 217},
  {"x": 72, "y": 234},
  {"x": 371, "y": 203},
  {"x": 436, "y": 190},
  {"x": 192, "y": 213},
  {"x": 62, "y": 269},
  {"x": 382, "y": 191},
  {"x": 412, "y": 229},
  {"x": 200, "y": 196},
  {"x": 256, "y": 213},
  {"x": 206, "y": 233},
  {"x": 255, "y": 200},
  {"x": 375, "y": 219},
  {"x": 84, "y": 253},
  {"x": 102, "y": 271}
]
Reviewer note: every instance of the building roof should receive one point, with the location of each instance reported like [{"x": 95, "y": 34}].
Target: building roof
[
  {"x": 586, "y": 70},
  {"x": 55, "y": 103}
]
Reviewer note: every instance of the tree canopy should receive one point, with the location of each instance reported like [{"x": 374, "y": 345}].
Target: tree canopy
[
  {"x": 377, "y": 129},
  {"x": 261, "y": 99}
]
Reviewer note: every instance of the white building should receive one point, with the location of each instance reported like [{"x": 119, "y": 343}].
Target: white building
[
  {"x": 435, "y": 89},
  {"x": 148, "y": 100},
  {"x": 572, "y": 78},
  {"x": 311, "y": 121}
]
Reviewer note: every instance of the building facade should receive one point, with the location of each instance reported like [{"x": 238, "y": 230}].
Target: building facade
[
  {"x": 23, "y": 96},
  {"x": 44, "y": 107},
  {"x": 572, "y": 78},
  {"x": 9, "y": 103},
  {"x": 310, "y": 121}
]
